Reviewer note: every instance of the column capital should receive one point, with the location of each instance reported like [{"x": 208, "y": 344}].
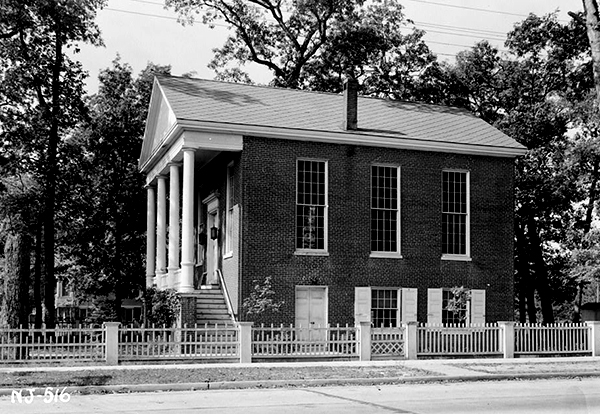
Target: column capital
[
  {"x": 150, "y": 186},
  {"x": 162, "y": 177},
  {"x": 175, "y": 164}
]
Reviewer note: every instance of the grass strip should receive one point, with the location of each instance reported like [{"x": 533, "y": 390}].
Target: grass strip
[{"x": 204, "y": 374}]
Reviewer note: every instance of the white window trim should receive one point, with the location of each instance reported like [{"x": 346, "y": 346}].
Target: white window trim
[
  {"x": 398, "y": 253},
  {"x": 228, "y": 222},
  {"x": 467, "y": 256},
  {"x": 325, "y": 250},
  {"x": 398, "y": 302}
]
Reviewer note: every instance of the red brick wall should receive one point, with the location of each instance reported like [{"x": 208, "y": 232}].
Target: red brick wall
[{"x": 268, "y": 224}]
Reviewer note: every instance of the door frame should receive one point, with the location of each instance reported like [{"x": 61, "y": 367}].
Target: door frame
[{"x": 212, "y": 246}]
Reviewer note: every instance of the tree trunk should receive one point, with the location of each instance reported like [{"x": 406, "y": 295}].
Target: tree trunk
[
  {"x": 37, "y": 276},
  {"x": 16, "y": 280},
  {"x": 592, "y": 21},
  {"x": 541, "y": 271},
  {"x": 587, "y": 225},
  {"x": 51, "y": 173},
  {"x": 522, "y": 271}
]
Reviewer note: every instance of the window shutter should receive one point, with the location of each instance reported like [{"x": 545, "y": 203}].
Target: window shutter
[
  {"x": 477, "y": 306},
  {"x": 434, "y": 306},
  {"x": 409, "y": 304},
  {"x": 362, "y": 304}
]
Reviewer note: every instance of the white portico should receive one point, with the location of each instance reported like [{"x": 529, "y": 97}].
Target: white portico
[{"x": 173, "y": 152}]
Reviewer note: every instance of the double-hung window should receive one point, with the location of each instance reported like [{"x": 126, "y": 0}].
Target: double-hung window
[
  {"x": 455, "y": 215},
  {"x": 384, "y": 308},
  {"x": 385, "y": 210},
  {"x": 311, "y": 206}
]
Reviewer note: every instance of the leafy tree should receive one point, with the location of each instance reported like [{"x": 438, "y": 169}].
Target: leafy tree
[
  {"x": 261, "y": 299},
  {"x": 42, "y": 84},
  {"x": 529, "y": 94},
  {"x": 316, "y": 44},
  {"x": 107, "y": 209},
  {"x": 162, "y": 306}
]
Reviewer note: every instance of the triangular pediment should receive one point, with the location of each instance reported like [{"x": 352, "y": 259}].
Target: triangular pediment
[{"x": 160, "y": 122}]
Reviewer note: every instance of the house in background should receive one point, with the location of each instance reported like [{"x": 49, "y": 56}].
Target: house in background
[{"x": 357, "y": 208}]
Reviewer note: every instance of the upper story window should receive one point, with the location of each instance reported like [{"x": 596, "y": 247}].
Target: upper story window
[
  {"x": 455, "y": 214},
  {"x": 385, "y": 209},
  {"x": 229, "y": 209},
  {"x": 311, "y": 205}
]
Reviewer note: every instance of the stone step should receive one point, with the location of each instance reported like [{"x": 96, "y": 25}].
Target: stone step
[
  {"x": 212, "y": 301},
  {"x": 211, "y": 306}
]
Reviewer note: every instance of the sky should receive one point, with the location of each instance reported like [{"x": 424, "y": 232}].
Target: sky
[{"x": 142, "y": 31}]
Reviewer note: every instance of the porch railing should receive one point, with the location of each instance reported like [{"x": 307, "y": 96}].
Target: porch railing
[{"x": 226, "y": 294}]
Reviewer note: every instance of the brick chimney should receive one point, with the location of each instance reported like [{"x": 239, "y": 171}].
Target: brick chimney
[{"x": 350, "y": 121}]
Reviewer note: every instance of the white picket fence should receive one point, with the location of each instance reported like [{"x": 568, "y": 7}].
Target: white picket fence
[
  {"x": 297, "y": 341},
  {"x": 244, "y": 342},
  {"x": 552, "y": 339},
  {"x": 28, "y": 344},
  {"x": 387, "y": 342},
  {"x": 452, "y": 340},
  {"x": 197, "y": 342}
]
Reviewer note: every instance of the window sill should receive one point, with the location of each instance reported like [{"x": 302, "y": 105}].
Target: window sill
[
  {"x": 456, "y": 258},
  {"x": 311, "y": 253},
  {"x": 385, "y": 255},
  {"x": 228, "y": 255}
]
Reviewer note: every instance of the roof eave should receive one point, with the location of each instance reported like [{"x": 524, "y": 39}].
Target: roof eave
[{"x": 352, "y": 138}]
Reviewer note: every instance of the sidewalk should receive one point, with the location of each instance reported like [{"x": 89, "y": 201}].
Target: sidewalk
[{"x": 433, "y": 370}]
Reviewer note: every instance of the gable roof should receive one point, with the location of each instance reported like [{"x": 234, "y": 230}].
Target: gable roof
[{"x": 236, "y": 107}]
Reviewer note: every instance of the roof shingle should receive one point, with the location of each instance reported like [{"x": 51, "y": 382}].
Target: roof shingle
[{"x": 232, "y": 103}]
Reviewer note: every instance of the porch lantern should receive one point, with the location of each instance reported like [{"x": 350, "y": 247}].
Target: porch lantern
[{"x": 214, "y": 233}]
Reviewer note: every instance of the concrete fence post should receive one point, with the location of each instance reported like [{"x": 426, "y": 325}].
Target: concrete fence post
[
  {"x": 111, "y": 330},
  {"x": 364, "y": 341},
  {"x": 245, "y": 341},
  {"x": 594, "y": 337},
  {"x": 507, "y": 338},
  {"x": 410, "y": 339}
]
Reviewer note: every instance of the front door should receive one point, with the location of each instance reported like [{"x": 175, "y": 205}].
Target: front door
[
  {"x": 212, "y": 245},
  {"x": 311, "y": 312}
]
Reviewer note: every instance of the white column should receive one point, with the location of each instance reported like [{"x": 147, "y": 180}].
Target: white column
[
  {"x": 187, "y": 234},
  {"x": 173, "y": 223},
  {"x": 161, "y": 231},
  {"x": 150, "y": 237}
]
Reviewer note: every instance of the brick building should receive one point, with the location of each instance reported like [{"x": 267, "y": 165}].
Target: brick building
[{"x": 357, "y": 208}]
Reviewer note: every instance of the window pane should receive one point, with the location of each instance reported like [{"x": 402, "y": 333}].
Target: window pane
[
  {"x": 454, "y": 212},
  {"x": 384, "y": 209},
  {"x": 384, "y": 307},
  {"x": 310, "y": 208}
]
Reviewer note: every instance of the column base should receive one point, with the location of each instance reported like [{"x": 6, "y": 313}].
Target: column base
[
  {"x": 186, "y": 284},
  {"x": 160, "y": 280}
]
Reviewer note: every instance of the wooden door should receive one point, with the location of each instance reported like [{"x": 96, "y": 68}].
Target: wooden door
[{"x": 311, "y": 311}]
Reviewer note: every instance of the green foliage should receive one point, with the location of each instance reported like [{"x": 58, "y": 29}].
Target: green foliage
[
  {"x": 316, "y": 44},
  {"x": 41, "y": 94},
  {"x": 107, "y": 210},
  {"x": 162, "y": 306},
  {"x": 261, "y": 299},
  {"x": 104, "y": 309},
  {"x": 459, "y": 301}
]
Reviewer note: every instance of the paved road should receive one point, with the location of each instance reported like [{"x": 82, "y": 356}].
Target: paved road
[{"x": 544, "y": 396}]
